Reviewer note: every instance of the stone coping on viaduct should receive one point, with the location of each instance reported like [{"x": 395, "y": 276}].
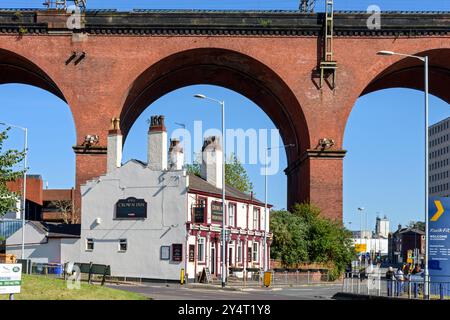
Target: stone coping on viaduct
[{"x": 226, "y": 23}]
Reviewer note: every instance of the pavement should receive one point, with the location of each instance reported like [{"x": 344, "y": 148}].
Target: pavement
[{"x": 205, "y": 292}]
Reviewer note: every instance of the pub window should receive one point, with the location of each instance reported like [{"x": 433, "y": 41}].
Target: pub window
[
  {"x": 201, "y": 249},
  {"x": 256, "y": 218},
  {"x": 123, "y": 245},
  {"x": 89, "y": 244},
  {"x": 231, "y": 214},
  {"x": 255, "y": 252}
]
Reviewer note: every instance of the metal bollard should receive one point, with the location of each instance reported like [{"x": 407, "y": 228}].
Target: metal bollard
[
  {"x": 441, "y": 291},
  {"x": 359, "y": 283},
  {"x": 379, "y": 285},
  {"x": 409, "y": 290}
]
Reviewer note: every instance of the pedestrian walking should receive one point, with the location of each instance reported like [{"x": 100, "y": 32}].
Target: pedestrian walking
[
  {"x": 390, "y": 277},
  {"x": 400, "y": 278}
]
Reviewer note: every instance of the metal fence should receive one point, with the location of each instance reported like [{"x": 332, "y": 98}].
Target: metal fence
[
  {"x": 379, "y": 285},
  {"x": 279, "y": 278},
  {"x": 56, "y": 270},
  {"x": 9, "y": 226}
]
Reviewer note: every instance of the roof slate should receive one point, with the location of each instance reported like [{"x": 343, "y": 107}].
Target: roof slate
[
  {"x": 199, "y": 184},
  {"x": 58, "y": 230}
]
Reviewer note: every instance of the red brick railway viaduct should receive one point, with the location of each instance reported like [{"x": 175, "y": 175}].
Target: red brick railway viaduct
[{"x": 132, "y": 59}]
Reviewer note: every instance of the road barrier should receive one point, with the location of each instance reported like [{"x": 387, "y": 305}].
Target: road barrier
[
  {"x": 252, "y": 277},
  {"x": 376, "y": 284}
]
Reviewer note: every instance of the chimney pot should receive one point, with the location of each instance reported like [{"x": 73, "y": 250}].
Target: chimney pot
[
  {"x": 114, "y": 147},
  {"x": 157, "y": 144},
  {"x": 176, "y": 155},
  {"x": 157, "y": 124},
  {"x": 211, "y": 169}
]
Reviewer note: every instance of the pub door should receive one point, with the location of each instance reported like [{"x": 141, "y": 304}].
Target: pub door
[{"x": 213, "y": 259}]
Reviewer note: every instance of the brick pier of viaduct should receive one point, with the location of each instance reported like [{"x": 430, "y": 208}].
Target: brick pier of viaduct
[{"x": 120, "y": 62}]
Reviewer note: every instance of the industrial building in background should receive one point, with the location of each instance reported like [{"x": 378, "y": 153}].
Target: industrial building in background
[
  {"x": 373, "y": 244},
  {"x": 439, "y": 155}
]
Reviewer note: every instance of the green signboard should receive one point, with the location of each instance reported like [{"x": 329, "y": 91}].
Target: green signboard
[
  {"x": 10, "y": 278},
  {"x": 216, "y": 211}
]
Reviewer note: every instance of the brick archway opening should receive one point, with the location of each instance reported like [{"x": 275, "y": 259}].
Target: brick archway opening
[
  {"x": 18, "y": 69},
  {"x": 404, "y": 74},
  {"x": 235, "y": 71},
  {"x": 409, "y": 73},
  {"x": 33, "y": 87}
]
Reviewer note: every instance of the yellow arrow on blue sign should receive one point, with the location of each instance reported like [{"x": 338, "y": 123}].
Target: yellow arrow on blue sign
[{"x": 439, "y": 212}]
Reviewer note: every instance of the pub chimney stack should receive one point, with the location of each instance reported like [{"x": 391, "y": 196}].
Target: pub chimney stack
[
  {"x": 157, "y": 144},
  {"x": 211, "y": 169},
  {"x": 114, "y": 147},
  {"x": 176, "y": 155}
]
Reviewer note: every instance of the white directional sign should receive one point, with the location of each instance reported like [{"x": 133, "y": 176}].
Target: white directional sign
[{"x": 10, "y": 278}]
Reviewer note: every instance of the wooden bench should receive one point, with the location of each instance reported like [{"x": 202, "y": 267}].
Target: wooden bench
[{"x": 90, "y": 269}]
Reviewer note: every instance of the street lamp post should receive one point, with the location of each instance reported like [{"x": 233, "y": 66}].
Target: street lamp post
[
  {"x": 266, "y": 188},
  {"x": 25, "y": 130},
  {"x": 361, "y": 209},
  {"x": 426, "y": 75},
  {"x": 222, "y": 103}
]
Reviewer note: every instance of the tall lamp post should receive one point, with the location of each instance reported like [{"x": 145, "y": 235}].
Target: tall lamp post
[
  {"x": 25, "y": 130},
  {"x": 266, "y": 188},
  {"x": 222, "y": 104},
  {"x": 426, "y": 76},
  {"x": 361, "y": 209}
]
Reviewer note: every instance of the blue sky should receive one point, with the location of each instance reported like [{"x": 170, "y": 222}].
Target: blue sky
[
  {"x": 247, "y": 4},
  {"x": 383, "y": 170}
]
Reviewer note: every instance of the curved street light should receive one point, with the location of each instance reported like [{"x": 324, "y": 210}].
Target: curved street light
[
  {"x": 426, "y": 66},
  {"x": 222, "y": 104}
]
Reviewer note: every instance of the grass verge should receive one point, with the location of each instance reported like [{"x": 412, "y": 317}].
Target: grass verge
[{"x": 47, "y": 288}]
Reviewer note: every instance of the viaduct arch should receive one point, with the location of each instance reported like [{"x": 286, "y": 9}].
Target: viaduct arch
[{"x": 119, "y": 62}]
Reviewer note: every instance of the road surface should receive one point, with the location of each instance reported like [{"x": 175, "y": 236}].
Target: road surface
[{"x": 176, "y": 292}]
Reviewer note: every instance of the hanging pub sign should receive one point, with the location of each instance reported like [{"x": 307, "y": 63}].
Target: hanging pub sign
[
  {"x": 216, "y": 211},
  {"x": 191, "y": 253},
  {"x": 131, "y": 208},
  {"x": 177, "y": 252},
  {"x": 199, "y": 214}
]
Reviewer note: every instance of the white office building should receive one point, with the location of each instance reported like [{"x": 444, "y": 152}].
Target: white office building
[
  {"x": 439, "y": 155},
  {"x": 382, "y": 227}
]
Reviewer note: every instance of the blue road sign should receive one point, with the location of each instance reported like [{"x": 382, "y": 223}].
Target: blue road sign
[{"x": 439, "y": 238}]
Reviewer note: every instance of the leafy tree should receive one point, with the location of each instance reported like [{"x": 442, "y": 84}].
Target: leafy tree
[
  {"x": 194, "y": 169},
  {"x": 420, "y": 225},
  {"x": 288, "y": 238},
  {"x": 328, "y": 241},
  {"x": 305, "y": 236},
  {"x": 67, "y": 209},
  {"x": 235, "y": 174},
  {"x": 8, "y": 160}
]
